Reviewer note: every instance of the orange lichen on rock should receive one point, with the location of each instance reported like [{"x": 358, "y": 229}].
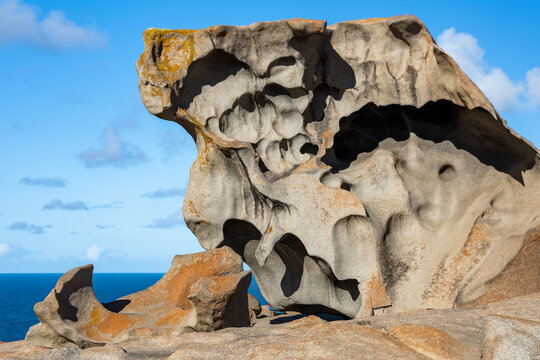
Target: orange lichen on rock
[
  {"x": 520, "y": 277},
  {"x": 379, "y": 297},
  {"x": 428, "y": 341},
  {"x": 173, "y": 305},
  {"x": 448, "y": 279}
]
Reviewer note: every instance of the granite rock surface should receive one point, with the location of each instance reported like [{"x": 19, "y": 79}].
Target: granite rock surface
[
  {"x": 506, "y": 330},
  {"x": 201, "y": 292},
  {"x": 354, "y": 167}
]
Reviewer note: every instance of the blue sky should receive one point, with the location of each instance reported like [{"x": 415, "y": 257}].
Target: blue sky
[{"x": 90, "y": 177}]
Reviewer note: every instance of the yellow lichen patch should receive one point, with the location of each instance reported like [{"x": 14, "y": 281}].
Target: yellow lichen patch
[
  {"x": 102, "y": 322},
  {"x": 167, "y": 55},
  {"x": 115, "y": 324},
  {"x": 379, "y": 297},
  {"x": 447, "y": 279},
  {"x": 180, "y": 285},
  {"x": 307, "y": 26},
  {"x": 173, "y": 318},
  {"x": 308, "y": 166},
  {"x": 428, "y": 341},
  {"x": 89, "y": 328},
  {"x": 140, "y": 332},
  {"x": 190, "y": 206},
  {"x": 206, "y": 145},
  {"x": 520, "y": 277}
]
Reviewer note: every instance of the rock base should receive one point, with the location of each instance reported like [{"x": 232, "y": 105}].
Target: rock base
[{"x": 505, "y": 330}]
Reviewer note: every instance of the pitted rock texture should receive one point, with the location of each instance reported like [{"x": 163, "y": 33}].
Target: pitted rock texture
[
  {"x": 354, "y": 167},
  {"x": 201, "y": 292}
]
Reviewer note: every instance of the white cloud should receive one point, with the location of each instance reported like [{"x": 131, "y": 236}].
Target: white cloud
[
  {"x": 19, "y": 22},
  {"x": 113, "y": 152},
  {"x": 498, "y": 87},
  {"x": 533, "y": 85},
  {"x": 4, "y": 249},
  {"x": 94, "y": 252}
]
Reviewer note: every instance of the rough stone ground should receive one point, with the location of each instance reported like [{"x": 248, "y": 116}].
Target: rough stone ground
[{"x": 504, "y": 330}]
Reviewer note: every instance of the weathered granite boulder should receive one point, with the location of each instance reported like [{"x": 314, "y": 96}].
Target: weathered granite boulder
[
  {"x": 254, "y": 305},
  {"x": 354, "y": 167},
  {"x": 201, "y": 292}
]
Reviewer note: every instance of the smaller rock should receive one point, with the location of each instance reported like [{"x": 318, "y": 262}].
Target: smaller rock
[
  {"x": 201, "y": 292},
  {"x": 44, "y": 335},
  {"x": 265, "y": 311},
  {"x": 254, "y": 304},
  {"x": 252, "y": 318}
]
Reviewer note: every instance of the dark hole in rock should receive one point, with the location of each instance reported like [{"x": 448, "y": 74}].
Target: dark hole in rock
[
  {"x": 283, "y": 61},
  {"x": 237, "y": 233},
  {"x": 447, "y": 172},
  {"x": 260, "y": 99},
  {"x": 262, "y": 166},
  {"x": 471, "y": 130},
  {"x": 117, "y": 305},
  {"x": 210, "y": 70},
  {"x": 283, "y": 145},
  {"x": 309, "y": 148},
  {"x": 274, "y": 90},
  {"x": 299, "y": 268}
]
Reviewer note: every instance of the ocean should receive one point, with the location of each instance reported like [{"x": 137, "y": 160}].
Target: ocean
[{"x": 19, "y": 293}]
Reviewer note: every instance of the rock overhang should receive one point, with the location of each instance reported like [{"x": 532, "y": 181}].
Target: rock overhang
[{"x": 342, "y": 156}]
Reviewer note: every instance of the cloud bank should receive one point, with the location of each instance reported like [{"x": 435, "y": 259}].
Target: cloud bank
[
  {"x": 168, "y": 222},
  {"x": 44, "y": 181},
  {"x": 21, "y": 23},
  {"x": 57, "y": 204},
  {"x": 113, "y": 152},
  {"x": 165, "y": 193},
  {"x": 31, "y": 228}
]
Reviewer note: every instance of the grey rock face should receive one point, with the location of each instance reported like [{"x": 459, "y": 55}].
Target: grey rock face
[{"x": 354, "y": 167}]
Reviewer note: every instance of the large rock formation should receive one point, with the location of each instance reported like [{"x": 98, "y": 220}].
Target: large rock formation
[
  {"x": 200, "y": 292},
  {"x": 354, "y": 167}
]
